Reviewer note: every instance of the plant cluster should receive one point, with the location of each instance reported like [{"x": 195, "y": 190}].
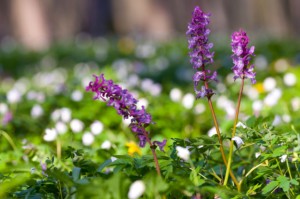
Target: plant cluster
[{"x": 252, "y": 155}]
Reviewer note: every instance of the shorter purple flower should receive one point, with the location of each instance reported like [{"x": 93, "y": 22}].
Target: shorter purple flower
[
  {"x": 161, "y": 145},
  {"x": 125, "y": 104},
  {"x": 242, "y": 56}
]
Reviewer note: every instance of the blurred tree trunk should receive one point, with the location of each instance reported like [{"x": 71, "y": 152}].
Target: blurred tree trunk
[
  {"x": 37, "y": 23},
  {"x": 29, "y": 24},
  {"x": 294, "y": 7},
  {"x": 146, "y": 17}
]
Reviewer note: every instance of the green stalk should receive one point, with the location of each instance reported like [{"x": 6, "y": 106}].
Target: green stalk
[
  {"x": 8, "y": 138},
  {"x": 228, "y": 169},
  {"x": 152, "y": 147},
  {"x": 58, "y": 148},
  {"x": 219, "y": 135}
]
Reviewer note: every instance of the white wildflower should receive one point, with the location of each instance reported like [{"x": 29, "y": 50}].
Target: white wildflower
[
  {"x": 239, "y": 142},
  {"x": 212, "y": 132},
  {"x": 13, "y": 96},
  {"x": 76, "y": 96},
  {"x": 3, "y": 108},
  {"x": 106, "y": 145},
  {"x": 87, "y": 139},
  {"x": 36, "y": 111},
  {"x": 136, "y": 189},
  {"x": 199, "y": 108},
  {"x": 290, "y": 79},
  {"x": 113, "y": 158},
  {"x": 277, "y": 120},
  {"x": 286, "y": 118},
  {"x": 257, "y": 154},
  {"x": 61, "y": 127},
  {"x": 183, "y": 153},
  {"x": 257, "y": 105},
  {"x": 175, "y": 94},
  {"x": 76, "y": 125},
  {"x": 269, "y": 84},
  {"x": 65, "y": 114},
  {"x": 283, "y": 158},
  {"x": 240, "y": 124},
  {"x": 50, "y": 135},
  {"x": 188, "y": 100},
  {"x": 96, "y": 127}
]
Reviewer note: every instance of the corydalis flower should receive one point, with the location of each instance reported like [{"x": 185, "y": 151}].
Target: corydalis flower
[
  {"x": 242, "y": 56},
  {"x": 125, "y": 104},
  {"x": 200, "y": 50}
]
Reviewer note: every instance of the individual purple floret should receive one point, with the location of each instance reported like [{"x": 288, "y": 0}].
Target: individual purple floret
[
  {"x": 242, "y": 56},
  {"x": 126, "y": 105},
  {"x": 200, "y": 50}
]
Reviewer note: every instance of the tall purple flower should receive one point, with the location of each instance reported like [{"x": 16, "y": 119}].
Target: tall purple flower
[
  {"x": 242, "y": 56},
  {"x": 126, "y": 105},
  {"x": 200, "y": 54}
]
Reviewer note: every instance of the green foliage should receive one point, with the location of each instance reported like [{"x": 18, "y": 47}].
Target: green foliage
[{"x": 266, "y": 165}]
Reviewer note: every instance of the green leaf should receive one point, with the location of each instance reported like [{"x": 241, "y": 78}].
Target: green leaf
[
  {"x": 294, "y": 182},
  {"x": 252, "y": 190},
  {"x": 155, "y": 185},
  {"x": 279, "y": 151},
  {"x": 76, "y": 173},
  {"x": 272, "y": 185},
  {"x": 251, "y": 122},
  {"x": 103, "y": 165},
  {"x": 284, "y": 183}
]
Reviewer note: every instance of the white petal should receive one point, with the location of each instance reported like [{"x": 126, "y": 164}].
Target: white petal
[
  {"x": 175, "y": 94},
  {"x": 283, "y": 158},
  {"x": 61, "y": 127},
  {"x": 106, "y": 145},
  {"x": 76, "y": 125},
  {"x": 136, "y": 189},
  {"x": 96, "y": 127},
  {"x": 88, "y": 139},
  {"x": 240, "y": 124},
  {"x": 188, "y": 100},
  {"x": 50, "y": 135},
  {"x": 239, "y": 142},
  {"x": 290, "y": 79},
  {"x": 183, "y": 153}
]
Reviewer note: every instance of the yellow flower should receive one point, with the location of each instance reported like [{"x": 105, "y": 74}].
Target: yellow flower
[
  {"x": 259, "y": 87},
  {"x": 133, "y": 148}
]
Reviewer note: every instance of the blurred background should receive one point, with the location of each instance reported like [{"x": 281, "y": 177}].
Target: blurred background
[
  {"x": 49, "y": 51},
  {"x": 37, "y": 24}
]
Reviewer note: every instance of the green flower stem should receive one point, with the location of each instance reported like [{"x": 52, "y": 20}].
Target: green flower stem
[
  {"x": 228, "y": 169},
  {"x": 288, "y": 167},
  {"x": 58, "y": 148},
  {"x": 219, "y": 135},
  {"x": 9, "y": 140}
]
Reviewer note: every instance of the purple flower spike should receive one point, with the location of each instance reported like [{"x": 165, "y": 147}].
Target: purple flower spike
[
  {"x": 124, "y": 103},
  {"x": 200, "y": 54},
  {"x": 242, "y": 56}
]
